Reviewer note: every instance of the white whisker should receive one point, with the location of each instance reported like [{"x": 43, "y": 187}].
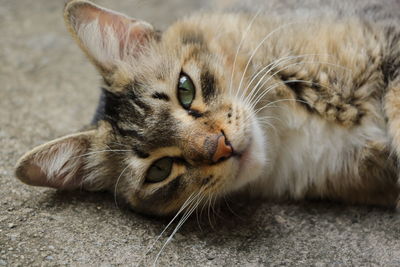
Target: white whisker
[
  {"x": 255, "y": 51},
  {"x": 239, "y": 47},
  {"x": 116, "y": 184},
  {"x": 185, "y": 204},
  {"x": 181, "y": 222},
  {"x": 258, "y": 99},
  {"x": 286, "y": 67},
  {"x": 272, "y": 65},
  {"x": 188, "y": 201},
  {"x": 280, "y": 100}
]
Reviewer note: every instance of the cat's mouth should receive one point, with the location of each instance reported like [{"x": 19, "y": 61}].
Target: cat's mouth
[
  {"x": 243, "y": 157},
  {"x": 251, "y": 160}
]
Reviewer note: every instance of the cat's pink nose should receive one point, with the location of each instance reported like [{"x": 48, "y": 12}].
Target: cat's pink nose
[{"x": 223, "y": 151}]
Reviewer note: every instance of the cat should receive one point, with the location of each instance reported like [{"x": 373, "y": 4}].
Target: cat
[{"x": 280, "y": 102}]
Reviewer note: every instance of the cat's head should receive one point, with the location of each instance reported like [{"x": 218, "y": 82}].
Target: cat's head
[{"x": 171, "y": 127}]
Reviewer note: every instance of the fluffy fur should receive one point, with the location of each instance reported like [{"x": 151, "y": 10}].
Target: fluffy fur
[{"x": 307, "y": 97}]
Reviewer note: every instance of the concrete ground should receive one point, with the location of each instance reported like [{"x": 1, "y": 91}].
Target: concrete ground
[{"x": 48, "y": 89}]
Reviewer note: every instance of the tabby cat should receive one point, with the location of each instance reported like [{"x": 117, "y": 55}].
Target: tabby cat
[{"x": 276, "y": 101}]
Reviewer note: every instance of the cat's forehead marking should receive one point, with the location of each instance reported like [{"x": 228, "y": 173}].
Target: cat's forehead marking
[
  {"x": 208, "y": 85},
  {"x": 192, "y": 37},
  {"x": 161, "y": 96},
  {"x": 118, "y": 105},
  {"x": 138, "y": 121},
  {"x": 141, "y": 154},
  {"x": 201, "y": 62}
]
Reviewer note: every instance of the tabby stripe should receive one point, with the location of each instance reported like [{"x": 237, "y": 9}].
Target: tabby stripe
[
  {"x": 140, "y": 153},
  {"x": 192, "y": 37},
  {"x": 130, "y": 132},
  {"x": 161, "y": 96},
  {"x": 118, "y": 108},
  {"x": 208, "y": 83},
  {"x": 297, "y": 88},
  {"x": 195, "y": 113},
  {"x": 136, "y": 99}
]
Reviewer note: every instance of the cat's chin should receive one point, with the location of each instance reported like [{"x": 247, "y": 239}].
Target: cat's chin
[{"x": 252, "y": 161}]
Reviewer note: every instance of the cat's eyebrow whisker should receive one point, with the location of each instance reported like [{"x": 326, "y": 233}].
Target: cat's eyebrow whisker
[
  {"x": 269, "y": 118},
  {"x": 259, "y": 98},
  {"x": 265, "y": 120},
  {"x": 279, "y": 61},
  {"x": 271, "y": 105},
  {"x": 255, "y": 102},
  {"x": 270, "y": 125},
  {"x": 255, "y": 51},
  {"x": 240, "y": 46},
  {"x": 280, "y": 100},
  {"x": 181, "y": 222},
  {"x": 286, "y": 67},
  {"x": 273, "y": 86},
  {"x": 116, "y": 184},
  {"x": 260, "y": 119},
  {"x": 272, "y": 65}
]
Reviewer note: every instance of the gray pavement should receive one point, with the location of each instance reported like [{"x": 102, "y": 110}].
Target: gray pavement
[{"x": 48, "y": 89}]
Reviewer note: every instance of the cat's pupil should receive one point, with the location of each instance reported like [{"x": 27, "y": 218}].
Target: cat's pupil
[
  {"x": 186, "y": 91},
  {"x": 159, "y": 170}
]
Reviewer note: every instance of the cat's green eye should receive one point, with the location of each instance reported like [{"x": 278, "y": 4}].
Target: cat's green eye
[
  {"x": 159, "y": 170},
  {"x": 186, "y": 91}
]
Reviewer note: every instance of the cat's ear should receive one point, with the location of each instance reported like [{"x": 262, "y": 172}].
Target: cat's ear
[
  {"x": 107, "y": 37},
  {"x": 59, "y": 164}
]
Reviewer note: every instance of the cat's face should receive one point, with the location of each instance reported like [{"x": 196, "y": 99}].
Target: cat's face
[
  {"x": 172, "y": 127},
  {"x": 188, "y": 133}
]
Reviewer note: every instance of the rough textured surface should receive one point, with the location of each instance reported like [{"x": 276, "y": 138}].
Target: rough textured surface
[{"x": 48, "y": 89}]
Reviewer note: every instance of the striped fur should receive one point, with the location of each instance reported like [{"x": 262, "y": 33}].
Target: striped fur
[{"x": 306, "y": 97}]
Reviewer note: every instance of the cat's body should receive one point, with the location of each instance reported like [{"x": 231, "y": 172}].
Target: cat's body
[{"x": 288, "y": 103}]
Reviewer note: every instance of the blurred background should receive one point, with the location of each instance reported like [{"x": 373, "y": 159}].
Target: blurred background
[{"x": 49, "y": 89}]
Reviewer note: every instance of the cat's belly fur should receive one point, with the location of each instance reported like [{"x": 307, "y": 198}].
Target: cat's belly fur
[{"x": 317, "y": 158}]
